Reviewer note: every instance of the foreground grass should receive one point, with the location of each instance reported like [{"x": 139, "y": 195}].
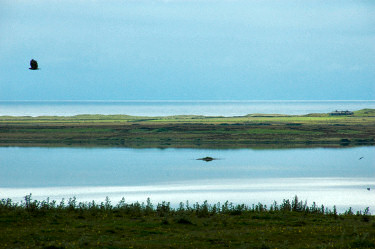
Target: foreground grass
[
  {"x": 257, "y": 130},
  {"x": 292, "y": 224}
]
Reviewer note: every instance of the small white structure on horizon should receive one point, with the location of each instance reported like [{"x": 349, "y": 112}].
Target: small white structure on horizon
[{"x": 341, "y": 113}]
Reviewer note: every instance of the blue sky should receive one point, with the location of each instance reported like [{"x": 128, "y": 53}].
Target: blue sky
[{"x": 187, "y": 50}]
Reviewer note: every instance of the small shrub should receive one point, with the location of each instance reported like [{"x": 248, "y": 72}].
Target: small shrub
[
  {"x": 349, "y": 212},
  {"x": 202, "y": 210},
  {"x": 184, "y": 221},
  {"x": 53, "y": 247},
  {"x": 264, "y": 246},
  {"x": 165, "y": 221},
  {"x": 72, "y": 203},
  {"x": 163, "y": 209},
  {"x": 362, "y": 243},
  {"x": 366, "y": 215},
  {"x": 149, "y": 209}
]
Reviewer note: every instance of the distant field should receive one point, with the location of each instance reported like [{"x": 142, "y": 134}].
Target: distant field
[{"x": 255, "y": 130}]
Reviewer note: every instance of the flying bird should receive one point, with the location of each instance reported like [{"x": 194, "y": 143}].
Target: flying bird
[
  {"x": 368, "y": 189},
  {"x": 361, "y": 158},
  {"x": 33, "y": 65}
]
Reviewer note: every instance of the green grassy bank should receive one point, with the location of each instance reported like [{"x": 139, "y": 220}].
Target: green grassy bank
[
  {"x": 257, "y": 130},
  {"x": 291, "y": 224}
]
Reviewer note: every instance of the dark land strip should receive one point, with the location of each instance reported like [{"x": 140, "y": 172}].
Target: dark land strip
[{"x": 315, "y": 130}]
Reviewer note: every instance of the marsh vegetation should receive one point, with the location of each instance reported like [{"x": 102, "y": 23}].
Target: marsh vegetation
[{"x": 290, "y": 224}]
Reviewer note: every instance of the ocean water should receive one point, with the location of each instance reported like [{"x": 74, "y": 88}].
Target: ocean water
[
  {"x": 169, "y": 108},
  {"x": 326, "y": 176}
]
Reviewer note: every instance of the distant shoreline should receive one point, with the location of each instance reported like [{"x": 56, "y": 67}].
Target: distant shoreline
[
  {"x": 155, "y": 108},
  {"x": 191, "y": 131}
]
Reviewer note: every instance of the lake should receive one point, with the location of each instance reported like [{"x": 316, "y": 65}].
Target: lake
[
  {"x": 325, "y": 175},
  {"x": 168, "y": 108}
]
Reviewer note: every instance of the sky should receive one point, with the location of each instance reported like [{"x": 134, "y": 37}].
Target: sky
[{"x": 187, "y": 50}]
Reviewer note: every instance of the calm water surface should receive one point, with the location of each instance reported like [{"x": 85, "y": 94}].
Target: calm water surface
[
  {"x": 168, "y": 108},
  {"x": 327, "y": 176}
]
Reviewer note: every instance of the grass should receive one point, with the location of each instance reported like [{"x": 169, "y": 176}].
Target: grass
[
  {"x": 257, "y": 130},
  {"x": 282, "y": 131},
  {"x": 290, "y": 224}
]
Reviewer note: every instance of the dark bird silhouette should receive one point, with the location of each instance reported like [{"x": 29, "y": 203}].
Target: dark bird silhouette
[
  {"x": 368, "y": 189},
  {"x": 361, "y": 158},
  {"x": 33, "y": 65}
]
